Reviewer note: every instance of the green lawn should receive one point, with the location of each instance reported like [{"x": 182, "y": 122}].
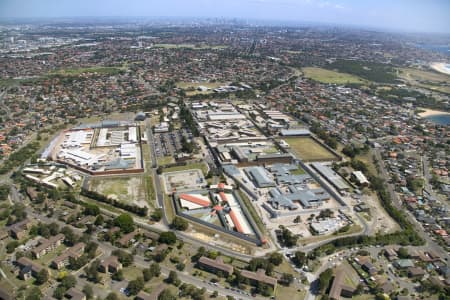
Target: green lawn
[
  {"x": 151, "y": 197},
  {"x": 328, "y": 76},
  {"x": 168, "y": 207},
  {"x": 132, "y": 272},
  {"x": 165, "y": 160},
  {"x": 47, "y": 259}
]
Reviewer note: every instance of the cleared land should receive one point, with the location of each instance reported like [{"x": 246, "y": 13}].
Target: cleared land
[
  {"x": 308, "y": 149},
  {"x": 125, "y": 189},
  {"x": 201, "y": 166},
  {"x": 328, "y": 76},
  {"x": 426, "y": 79}
]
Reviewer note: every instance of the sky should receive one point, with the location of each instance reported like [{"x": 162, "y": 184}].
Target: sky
[{"x": 401, "y": 15}]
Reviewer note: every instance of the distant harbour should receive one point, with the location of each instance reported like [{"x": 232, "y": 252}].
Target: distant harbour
[
  {"x": 439, "y": 119},
  {"x": 436, "y": 116}
]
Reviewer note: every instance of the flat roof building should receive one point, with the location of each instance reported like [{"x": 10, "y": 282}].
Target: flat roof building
[{"x": 260, "y": 177}]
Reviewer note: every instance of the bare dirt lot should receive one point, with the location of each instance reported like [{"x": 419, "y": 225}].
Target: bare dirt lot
[{"x": 124, "y": 189}]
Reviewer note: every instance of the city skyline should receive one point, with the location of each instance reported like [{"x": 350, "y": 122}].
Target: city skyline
[{"x": 412, "y": 16}]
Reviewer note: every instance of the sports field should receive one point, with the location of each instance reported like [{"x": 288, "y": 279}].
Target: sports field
[
  {"x": 328, "y": 76},
  {"x": 308, "y": 149}
]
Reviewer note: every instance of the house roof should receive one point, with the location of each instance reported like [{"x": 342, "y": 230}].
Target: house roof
[
  {"x": 216, "y": 263},
  {"x": 260, "y": 276}
]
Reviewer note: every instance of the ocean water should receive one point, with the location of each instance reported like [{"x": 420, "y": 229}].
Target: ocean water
[
  {"x": 439, "y": 119},
  {"x": 438, "y": 48}
]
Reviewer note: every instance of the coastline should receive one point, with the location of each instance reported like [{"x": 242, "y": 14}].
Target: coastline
[
  {"x": 431, "y": 112},
  {"x": 440, "y": 67}
]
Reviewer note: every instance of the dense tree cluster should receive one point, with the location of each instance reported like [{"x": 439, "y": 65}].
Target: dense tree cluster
[{"x": 141, "y": 211}]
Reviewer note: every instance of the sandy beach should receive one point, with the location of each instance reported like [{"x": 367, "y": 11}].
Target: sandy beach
[
  {"x": 441, "y": 67},
  {"x": 431, "y": 112}
]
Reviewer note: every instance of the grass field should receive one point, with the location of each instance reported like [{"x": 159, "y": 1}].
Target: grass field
[
  {"x": 189, "y": 46},
  {"x": 308, "y": 149},
  {"x": 426, "y": 79},
  {"x": 165, "y": 160},
  {"x": 328, "y": 76}
]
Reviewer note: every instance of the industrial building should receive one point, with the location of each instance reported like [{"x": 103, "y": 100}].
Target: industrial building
[
  {"x": 332, "y": 177},
  {"x": 260, "y": 177}
]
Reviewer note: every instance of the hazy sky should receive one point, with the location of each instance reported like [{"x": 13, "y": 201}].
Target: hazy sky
[{"x": 410, "y": 15}]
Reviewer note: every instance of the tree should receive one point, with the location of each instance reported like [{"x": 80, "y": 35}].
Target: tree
[
  {"x": 118, "y": 276},
  {"x": 276, "y": 258},
  {"x": 299, "y": 259},
  {"x": 34, "y": 294},
  {"x": 215, "y": 294},
  {"x": 179, "y": 223},
  {"x": 59, "y": 292},
  {"x": 325, "y": 279},
  {"x": 99, "y": 220},
  {"x": 180, "y": 266},
  {"x": 147, "y": 274},
  {"x": 297, "y": 219},
  {"x": 403, "y": 252},
  {"x": 167, "y": 237},
  {"x": 91, "y": 209},
  {"x": 112, "y": 296},
  {"x": 125, "y": 223},
  {"x": 11, "y": 246},
  {"x": 166, "y": 295},
  {"x": 173, "y": 278},
  {"x": 157, "y": 215},
  {"x": 92, "y": 272},
  {"x": 155, "y": 269},
  {"x": 69, "y": 281},
  {"x": 134, "y": 286},
  {"x": 42, "y": 277},
  {"x": 88, "y": 291},
  {"x": 125, "y": 258},
  {"x": 286, "y": 279},
  {"x": 70, "y": 237}
]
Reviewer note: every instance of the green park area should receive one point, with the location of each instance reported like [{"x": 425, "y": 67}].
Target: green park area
[
  {"x": 329, "y": 76},
  {"x": 431, "y": 80}
]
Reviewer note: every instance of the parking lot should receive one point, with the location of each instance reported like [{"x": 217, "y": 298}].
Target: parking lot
[{"x": 169, "y": 143}]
